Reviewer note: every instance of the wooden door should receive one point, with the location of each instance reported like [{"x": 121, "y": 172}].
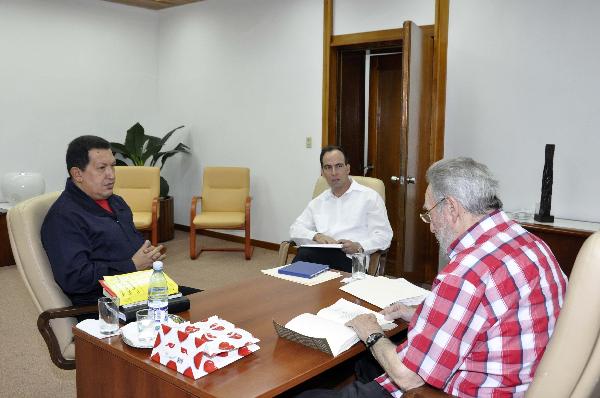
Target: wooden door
[
  {"x": 385, "y": 140},
  {"x": 395, "y": 133},
  {"x": 415, "y": 232}
]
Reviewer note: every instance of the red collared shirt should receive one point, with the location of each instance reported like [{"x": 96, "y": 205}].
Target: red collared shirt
[
  {"x": 104, "y": 204},
  {"x": 484, "y": 327}
]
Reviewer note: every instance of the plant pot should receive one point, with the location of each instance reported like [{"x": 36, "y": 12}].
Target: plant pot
[{"x": 166, "y": 224}]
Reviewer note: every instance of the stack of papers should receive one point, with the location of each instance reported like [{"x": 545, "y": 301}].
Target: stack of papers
[{"x": 382, "y": 291}]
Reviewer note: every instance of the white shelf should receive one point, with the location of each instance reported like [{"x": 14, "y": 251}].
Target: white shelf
[{"x": 559, "y": 223}]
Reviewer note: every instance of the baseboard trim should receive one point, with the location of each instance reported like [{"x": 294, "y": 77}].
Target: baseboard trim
[{"x": 232, "y": 238}]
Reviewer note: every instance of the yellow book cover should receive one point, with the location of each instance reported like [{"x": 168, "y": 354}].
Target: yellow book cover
[{"x": 133, "y": 287}]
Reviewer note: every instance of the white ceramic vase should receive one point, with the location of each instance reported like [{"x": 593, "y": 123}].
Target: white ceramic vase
[{"x": 18, "y": 186}]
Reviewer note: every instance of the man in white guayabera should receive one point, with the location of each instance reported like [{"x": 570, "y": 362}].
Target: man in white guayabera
[{"x": 348, "y": 213}]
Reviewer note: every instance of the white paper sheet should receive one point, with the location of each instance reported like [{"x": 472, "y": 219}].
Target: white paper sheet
[
  {"x": 382, "y": 291},
  {"x": 324, "y": 245}
]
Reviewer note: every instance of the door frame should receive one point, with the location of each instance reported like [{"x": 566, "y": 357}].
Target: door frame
[
  {"x": 332, "y": 45},
  {"x": 330, "y": 56}
]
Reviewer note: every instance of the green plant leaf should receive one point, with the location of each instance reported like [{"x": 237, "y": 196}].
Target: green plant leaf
[
  {"x": 152, "y": 148},
  {"x": 134, "y": 142},
  {"x": 164, "y": 187},
  {"x": 163, "y": 156},
  {"x": 167, "y": 136},
  {"x": 121, "y": 163},
  {"x": 120, "y": 149}
]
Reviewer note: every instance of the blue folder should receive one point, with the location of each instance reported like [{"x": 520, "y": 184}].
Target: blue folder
[{"x": 303, "y": 269}]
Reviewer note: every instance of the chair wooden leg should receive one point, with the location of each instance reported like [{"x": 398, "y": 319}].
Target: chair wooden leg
[
  {"x": 193, "y": 253},
  {"x": 248, "y": 249}
]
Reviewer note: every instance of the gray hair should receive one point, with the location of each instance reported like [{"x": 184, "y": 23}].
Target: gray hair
[{"x": 469, "y": 182}]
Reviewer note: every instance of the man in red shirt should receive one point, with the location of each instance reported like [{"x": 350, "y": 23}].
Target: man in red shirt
[{"x": 482, "y": 330}]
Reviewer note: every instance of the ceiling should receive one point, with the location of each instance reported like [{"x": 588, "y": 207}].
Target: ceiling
[{"x": 154, "y": 4}]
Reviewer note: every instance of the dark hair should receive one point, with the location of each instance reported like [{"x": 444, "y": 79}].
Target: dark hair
[
  {"x": 331, "y": 148},
  {"x": 78, "y": 149}
]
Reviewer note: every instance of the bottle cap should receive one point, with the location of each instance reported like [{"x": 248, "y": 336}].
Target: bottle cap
[{"x": 157, "y": 266}]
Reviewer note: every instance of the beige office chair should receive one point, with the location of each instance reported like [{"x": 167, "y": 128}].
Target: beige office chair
[
  {"x": 377, "y": 261},
  {"x": 570, "y": 366},
  {"x": 56, "y": 312},
  {"x": 139, "y": 186},
  {"x": 225, "y": 204}
]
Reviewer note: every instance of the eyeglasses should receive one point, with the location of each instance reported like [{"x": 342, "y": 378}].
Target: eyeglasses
[
  {"x": 328, "y": 168},
  {"x": 426, "y": 217}
]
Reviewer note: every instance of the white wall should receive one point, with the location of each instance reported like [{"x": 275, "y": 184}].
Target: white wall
[
  {"x": 71, "y": 67},
  {"x": 245, "y": 79},
  {"x": 352, "y": 16},
  {"x": 522, "y": 74}
]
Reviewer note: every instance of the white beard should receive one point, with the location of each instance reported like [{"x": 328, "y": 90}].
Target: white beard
[{"x": 445, "y": 237}]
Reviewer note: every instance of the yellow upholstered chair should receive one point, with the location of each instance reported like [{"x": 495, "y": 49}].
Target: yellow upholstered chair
[
  {"x": 225, "y": 204},
  {"x": 377, "y": 261},
  {"x": 139, "y": 186},
  {"x": 56, "y": 318}
]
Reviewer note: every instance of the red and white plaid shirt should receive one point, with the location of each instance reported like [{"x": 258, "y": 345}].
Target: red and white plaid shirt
[{"x": 484, "y": 327}]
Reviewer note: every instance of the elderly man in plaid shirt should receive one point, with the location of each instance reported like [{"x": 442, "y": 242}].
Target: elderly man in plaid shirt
[{"x": 483, "y": 329}]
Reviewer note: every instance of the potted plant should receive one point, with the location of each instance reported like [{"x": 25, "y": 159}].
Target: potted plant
[{"x": 140, "y": 148}]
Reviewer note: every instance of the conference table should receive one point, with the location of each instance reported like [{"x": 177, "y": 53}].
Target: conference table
[{"x": 110, "y": 368}]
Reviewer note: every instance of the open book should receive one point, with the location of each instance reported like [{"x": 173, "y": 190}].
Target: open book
[{"x": 326, "y": 331}]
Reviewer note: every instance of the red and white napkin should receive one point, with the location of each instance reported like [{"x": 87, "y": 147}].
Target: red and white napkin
[{"x": 198, "y": 349}]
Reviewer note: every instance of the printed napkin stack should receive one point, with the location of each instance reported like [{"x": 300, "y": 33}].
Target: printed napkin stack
[{"x": 198, "y": 349}]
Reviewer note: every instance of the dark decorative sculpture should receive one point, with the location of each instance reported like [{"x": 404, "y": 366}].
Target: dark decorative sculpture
[{"x": 543, "y": 214}]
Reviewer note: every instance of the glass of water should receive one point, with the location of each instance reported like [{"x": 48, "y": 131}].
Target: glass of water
[
  {"x": 145, "y": 326},
  {"x": 359, "y": 266},
  {"x": 108, "y": 314}
]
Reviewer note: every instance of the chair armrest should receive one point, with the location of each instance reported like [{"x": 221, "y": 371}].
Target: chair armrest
[
  {"x": 247, "y": 209},
  {"x": 377, "y": 262},
  {"x": 155, "y": 207},
  {"x": 195, "y": 200},
  {"x": 426, "y": 391},
  {"x": 43, "y": 324},
  {"x": 284, "y": 249}
]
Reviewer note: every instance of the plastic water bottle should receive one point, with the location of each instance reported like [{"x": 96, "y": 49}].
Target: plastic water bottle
[{"x": 158, "y": 300}]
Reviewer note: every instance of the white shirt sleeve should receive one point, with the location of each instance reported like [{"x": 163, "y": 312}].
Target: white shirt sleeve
[
  {"x": 379, "y": 228},
  {"x": 304, "y": 229}
]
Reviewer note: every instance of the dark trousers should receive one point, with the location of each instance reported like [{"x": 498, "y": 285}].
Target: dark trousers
[
  {"x": 366, "y": 370},
  {"x": 354, "y": 390},
  {"x": 335, "y": 258}
]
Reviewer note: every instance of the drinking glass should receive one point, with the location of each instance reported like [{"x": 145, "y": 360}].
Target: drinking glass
[
  {"x": 145, "y": 326},
  {"x": 359, "y": 265},
  {"x": 108, "y": 314}
]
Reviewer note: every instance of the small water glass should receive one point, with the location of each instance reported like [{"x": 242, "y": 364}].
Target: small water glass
[
  {"x": 145, "y": 326},
  {"x": 108, "y": 314},
  {"x": 359, "y": 266}
]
